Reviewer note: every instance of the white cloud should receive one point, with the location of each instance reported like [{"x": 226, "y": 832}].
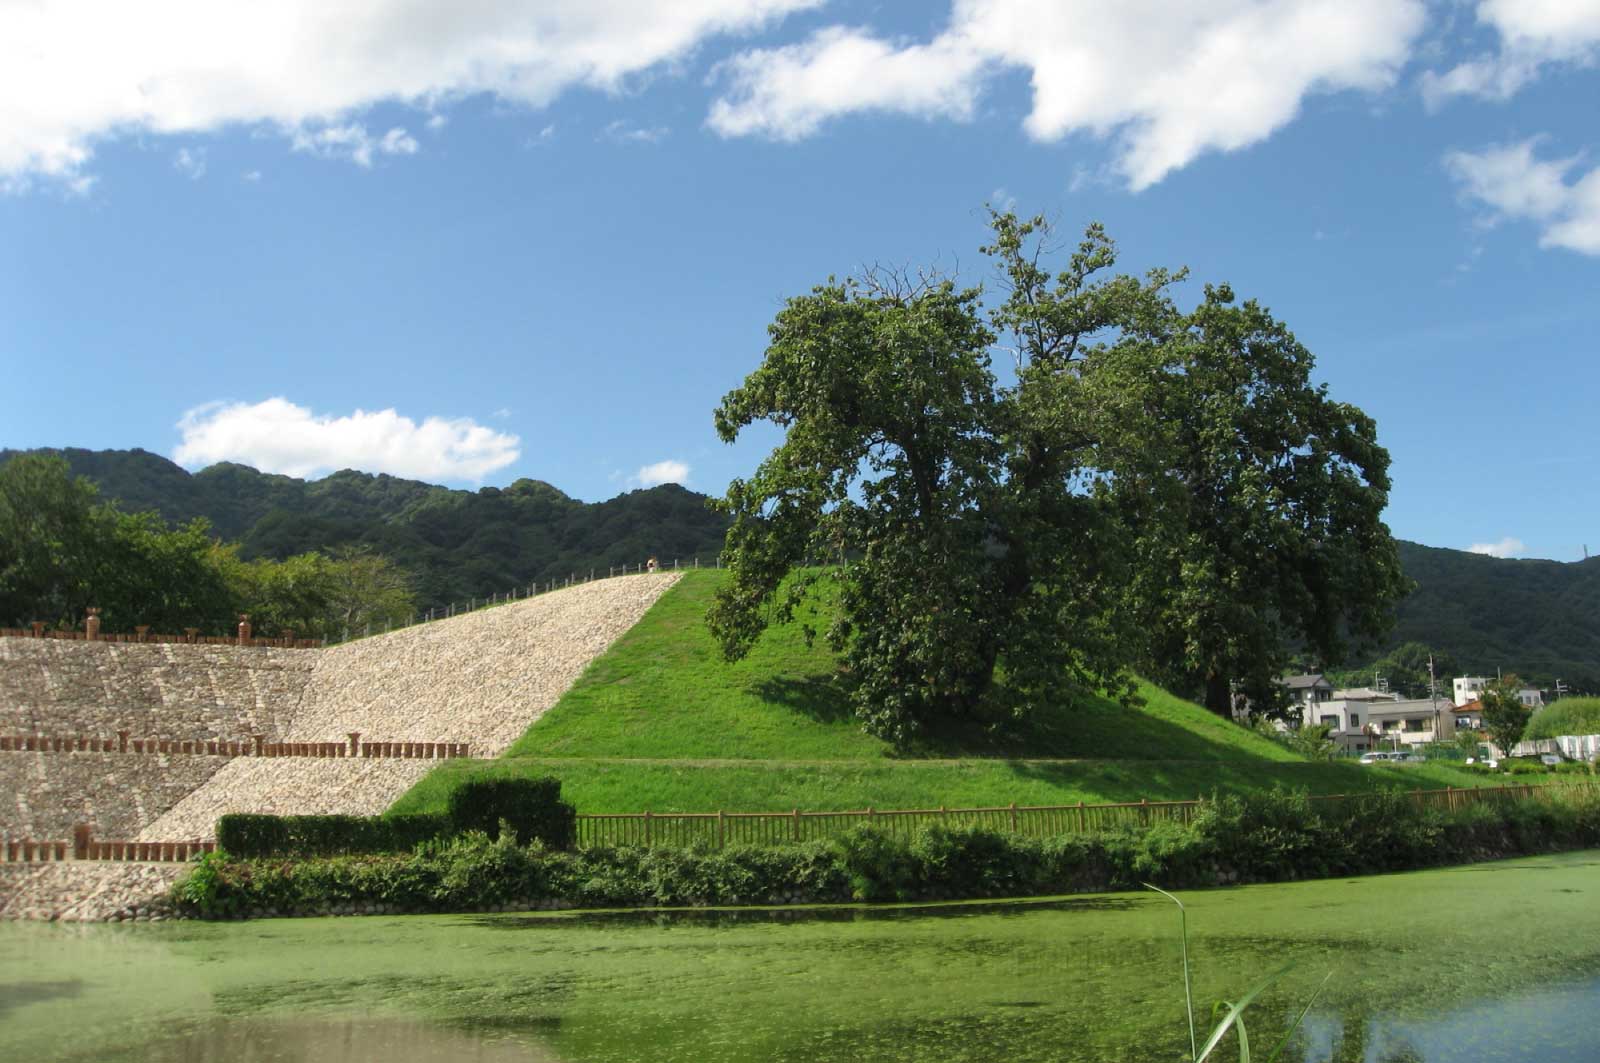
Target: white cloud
[
  {"x": 278, "y": 436},
  {"x": 1507, "y": 547},
  {"x": 662, "y": 472},
  {"x": 620, "y": 132},
  {"x": 74, "y": 72},
  {"x": 1532, "y": 34},
  {"x": 191, "y": 162},
  {"x": 352, "y": 141},
  {"x": 1514, "y": 183},
  {"x": 787, "y": 93},
  {"x": 252, "y": 175},
  {"x": 1168, "y": 80}
]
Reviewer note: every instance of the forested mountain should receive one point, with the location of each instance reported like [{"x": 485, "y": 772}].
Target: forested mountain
[
  {"x": 456, "y": 544},
  {"x": 1540, "y": 619}
]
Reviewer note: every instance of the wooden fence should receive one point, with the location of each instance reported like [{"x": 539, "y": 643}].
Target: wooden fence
[
  {"x": 718, "y": 829},
  {"x": 254, "y": 746},
  {"x": 84, "y": 846},
  {"x": 191, "y": 639}
]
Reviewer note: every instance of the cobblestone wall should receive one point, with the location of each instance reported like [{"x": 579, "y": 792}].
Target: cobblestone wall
[
  {"x": 480, "y": 678},
  {"x": 43, "y": 795},
  {"x": 55, "y": 687}
]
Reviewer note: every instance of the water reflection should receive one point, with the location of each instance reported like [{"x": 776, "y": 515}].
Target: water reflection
[
  {"x": 667, "y": 918},
  {"x": 358, "y": 1040}
]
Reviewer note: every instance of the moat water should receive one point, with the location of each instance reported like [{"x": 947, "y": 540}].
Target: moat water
[{"x": 1490, "y": 962}]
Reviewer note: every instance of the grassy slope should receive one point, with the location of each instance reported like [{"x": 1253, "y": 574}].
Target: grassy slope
[{"x": 660, "y": 722}]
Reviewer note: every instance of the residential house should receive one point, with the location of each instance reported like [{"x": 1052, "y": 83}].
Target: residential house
[{"x": 1469, "y": 687}]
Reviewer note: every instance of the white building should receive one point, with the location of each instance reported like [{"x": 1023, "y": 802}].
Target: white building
[{"x": 1468, "y": 688}]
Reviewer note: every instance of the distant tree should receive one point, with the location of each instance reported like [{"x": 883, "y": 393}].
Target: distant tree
[
  {"x": 143, "y": 572},
  {"x": 366, "y": 591},
  {"x": 50, "y": 530},
  {"x": 1505, "y": 717}
]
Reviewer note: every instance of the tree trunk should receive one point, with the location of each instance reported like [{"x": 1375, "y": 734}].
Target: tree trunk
[{"x": 1219, "y": 697}]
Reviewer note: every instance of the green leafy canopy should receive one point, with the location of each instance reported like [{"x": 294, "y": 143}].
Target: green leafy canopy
[{"x": 1136, "y": 486}]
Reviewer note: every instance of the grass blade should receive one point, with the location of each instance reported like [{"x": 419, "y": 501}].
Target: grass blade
[
  {"x": 1283, "y": 1042},
  {"x": 1188, "y": 995},
  {"x": 1237, "y": 1009}
]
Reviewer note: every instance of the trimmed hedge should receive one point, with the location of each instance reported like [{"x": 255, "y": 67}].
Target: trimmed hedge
[
  {"x": 246, "y": 835},
  {"x": 531, "y": 807},
  {"x": 1260, "y": 838}
]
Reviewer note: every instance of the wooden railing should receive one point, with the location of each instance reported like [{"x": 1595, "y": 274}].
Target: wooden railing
[
  {"x": 718, "y": 829},
  {"x": 192, "y": 639},
  {"x": 254, "y": 746}
]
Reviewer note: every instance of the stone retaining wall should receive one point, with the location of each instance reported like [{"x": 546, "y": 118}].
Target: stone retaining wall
[
  {"x": 52, "y": 686},
  {"x": 356, "y": 787},
  {"x": 480, "y": 678},
  {"x": 44, "y": 795},
  {"x": 84, "y": 891}
]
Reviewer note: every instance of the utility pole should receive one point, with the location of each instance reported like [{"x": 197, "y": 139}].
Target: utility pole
[{"x": 1433, "y": 695}]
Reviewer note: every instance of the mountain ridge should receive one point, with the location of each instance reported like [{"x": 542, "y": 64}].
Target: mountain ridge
[{"x": 1537, "y": 617}]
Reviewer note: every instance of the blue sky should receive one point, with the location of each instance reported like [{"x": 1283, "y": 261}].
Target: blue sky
[{"x": 470, "y": 243}]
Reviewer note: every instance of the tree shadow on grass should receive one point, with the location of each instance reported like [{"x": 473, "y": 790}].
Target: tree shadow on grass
[
  {"x": 1091, "y": 727},
  {"x": 822, "y": 698}
]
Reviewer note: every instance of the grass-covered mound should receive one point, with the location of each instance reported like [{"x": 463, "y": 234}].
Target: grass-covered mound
[
  {"x": 1569, "y": 716},
  {"x": 661, "y": 722}
]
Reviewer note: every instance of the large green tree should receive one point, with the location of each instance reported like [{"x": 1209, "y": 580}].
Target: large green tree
[
  {"x": 965, "y": 516},
  {"x": 1258, "y": 507},
  {"x": 1135, "y": 484}
]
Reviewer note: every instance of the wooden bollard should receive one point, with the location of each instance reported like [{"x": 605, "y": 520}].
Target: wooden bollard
[
  {"x": 80, "y": 841},
  {"x": 27, "y": 849},
  {"x": 355, "y": 741},
  {"x": 122, "y": 741}
]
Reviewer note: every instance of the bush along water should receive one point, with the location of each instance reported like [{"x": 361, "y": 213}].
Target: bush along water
[
  {"x": 530, "y": 808},
  {"x": 1268, "y": 837}
]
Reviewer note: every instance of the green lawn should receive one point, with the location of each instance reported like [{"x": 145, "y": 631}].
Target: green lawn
[
  {"x": 598, "y": 785},
  {"x": 661, "y": 722}
]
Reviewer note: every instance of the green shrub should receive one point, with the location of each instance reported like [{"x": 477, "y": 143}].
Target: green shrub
[
  {"x": 532, "y": 807},
  {"x": 1525, "y": 767},
  {"x": 248, "y": 835},
  {"x": 1574, "y": 767},
  {"x": 1568, "y": 716},
  {"x": 878, "y": 865},
  {"x": 974, "y": 862},
  {"x": 1264, "y": 837}
]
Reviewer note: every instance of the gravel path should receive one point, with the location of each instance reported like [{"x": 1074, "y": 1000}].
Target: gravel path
[{"x": 480, "y": 678}]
